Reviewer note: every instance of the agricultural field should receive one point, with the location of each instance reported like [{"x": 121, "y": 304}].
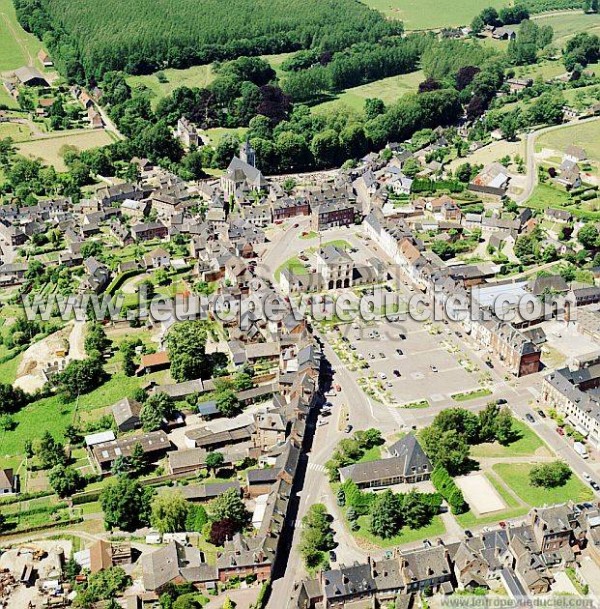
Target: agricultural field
[
  {"x": 587, "y": 135},
  {"x": 566, "y": 26},
  {"x": 432, "y": 14},
  {"x": 389, "y": 90},
  {"x": 49, "y": 149},
  {"x": 20, "y": 132},
  {"x": 17, "y": 47}
]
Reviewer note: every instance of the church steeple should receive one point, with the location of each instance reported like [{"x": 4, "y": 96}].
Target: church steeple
[{"x": 247, "y": 153}]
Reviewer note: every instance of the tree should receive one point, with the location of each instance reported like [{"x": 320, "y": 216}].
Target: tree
[
  {"x": 443, "y": 249},
  {"x": 169, "y": 512},
  {"x": 156, "y": 408},
  {"x": 186, "y": 343},
  {"x": 96, "y": 340},
  {"x": 228, "y": 403},
  {"x": 464, "y": 172},
  {"x": 103, "y": 585},
  {"x": 79, "y": 377},
  {"x": 229, "y": 506},
  {"x": 385, "y": 519},
  {"x": 49, "y": 451},
  {"x": 317, "y": 535},
  {"x": 221, "y": 531},
  {"x": 588, "y": 236},
  {"x": 446, "y": 448},
  {"x": 550, "y": 475},
  {"x": 65, "y": 480},
  {"x": 214, "y": 460},
  {"x": 229, "y": 604},
  {"x": 126, "y": 504},
  {"x": 196, "y": 518}
]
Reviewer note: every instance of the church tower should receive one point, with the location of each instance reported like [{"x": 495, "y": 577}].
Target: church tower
[{"x": 247, "y": 153}]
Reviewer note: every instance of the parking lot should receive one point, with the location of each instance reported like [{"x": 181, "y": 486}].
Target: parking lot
[{"x": 412, "y": 363}]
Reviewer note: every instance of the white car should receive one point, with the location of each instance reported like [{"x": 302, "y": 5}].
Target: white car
[
  {"x": 382, "y": 376},
  {"x": 586, "y": 476}
]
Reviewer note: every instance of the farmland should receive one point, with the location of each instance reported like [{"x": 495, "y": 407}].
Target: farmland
[
  {"x": 566, "y": 26},
  {"x": 141, "y": 36},
  {"x": 431, "y": 14},
  {"x": 49, "y": 149},
  {"x": 587, "y": 135}
]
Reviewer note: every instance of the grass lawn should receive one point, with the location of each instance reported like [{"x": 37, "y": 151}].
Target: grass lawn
[
  {"x": 17, "y": 47},
  {"x": 216, "y": 134},
  {"x": 471, "y": 395},
  {"x": 18, "y": 132},
  {"x": 516, "y": 476},
  {"x": 196, "y": 76},
  {"x": 545, "y": 196},
  {"x": 389, "y": 90},
  {"x": 529, "y": 443},
  {"x": 310, "y": 235},
  {"x": 586, "y": 135},
  {"x": 8, "y": 370},
  {"x": 49, "y": 149},
  {"x": 6, "y": 99},
  {"x": 294, "y": 264},
  {"x": 373, "y": 454},
  {"x": 430, "y": 14},
  {"x": 435, "y": 529}
]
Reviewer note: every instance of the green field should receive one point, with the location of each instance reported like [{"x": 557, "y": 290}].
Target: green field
[
  {"x": 547, "y": 196},
  {"x": 516, "y": 477},
  {"x": 17, "y": 47},
  {"x": 433, "y": 530},
  {"x": 566, "y": 26},
  {"x": 528, "y": 444},
  {"x": 389, "y": 90},
  {"x": 196, "y": 76},
  {"x": 19, "y": 132},
  {"x": 49, "y": 149},
  {"x": 586, "y": 135},
  {"x": 431, "y": 14}
]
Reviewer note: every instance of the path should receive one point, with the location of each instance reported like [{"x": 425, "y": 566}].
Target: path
[{"x": 77, "y": 341}]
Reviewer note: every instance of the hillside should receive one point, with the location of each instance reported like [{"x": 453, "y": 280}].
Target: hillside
[{"x": 88, "y": 38}]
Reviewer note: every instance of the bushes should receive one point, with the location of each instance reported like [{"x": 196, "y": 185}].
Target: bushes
[{"x": 447, "y": 488}]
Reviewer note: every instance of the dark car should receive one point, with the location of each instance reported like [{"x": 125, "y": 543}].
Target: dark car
[
  {"x": 332, "y": 556},
  {"x": 397, "y": 373},
  {"x": 468, "y": 534},
  {"x": 541, "y": 413},
  {"x": 402, "y": 336},
  {"x": 348, "y": 429},
  {"x": 530, "y": 418},
  {"x": 501, "y": 401},
  {"x": 595, "y": 486}
]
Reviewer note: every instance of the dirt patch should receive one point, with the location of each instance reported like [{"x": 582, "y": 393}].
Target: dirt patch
[{"x": 37, "y": 357}]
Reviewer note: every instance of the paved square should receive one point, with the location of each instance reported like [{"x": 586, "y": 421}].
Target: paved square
[{"x": 480, "y": 494}]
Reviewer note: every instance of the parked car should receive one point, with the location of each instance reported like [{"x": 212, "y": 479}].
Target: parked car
[
  {"x": 501, "y": 401},
  {"x": 397, "y": 373},
  {"x": 382, "y": 376},
  {"x": 502, "y": 524},
  {"x": 594, "y": 485},
  {"x": 560, "y": 431},
  {"x": 402, "y": 336},
  {"x": 541, "y": 413},
  {"x": 332, "y": 556},
  {"x": 434, "y": 369},
  {"x": 468, "y": 534},
  {"x": 348, "y": 429},
  {"x": 322, "y": 422},
  {"x": 586, "y": 476},
  {"x": 530, "y": 418},
  {"x": 399, "y": 352}
]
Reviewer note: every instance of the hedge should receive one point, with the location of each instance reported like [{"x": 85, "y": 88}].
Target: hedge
[{"x": 445, "y": 485}]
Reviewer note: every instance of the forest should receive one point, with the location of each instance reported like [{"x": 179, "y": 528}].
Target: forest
[{"x": 87, "y": 38}]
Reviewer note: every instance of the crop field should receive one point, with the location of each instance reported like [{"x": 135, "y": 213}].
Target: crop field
[
  {"x": 587, "y": 135},
  {"x": 17, "y": 47},
  {"x": 49, "y": 149},
  {"x": 389, "y": 90},
  {"x": 431, "y": 14}
]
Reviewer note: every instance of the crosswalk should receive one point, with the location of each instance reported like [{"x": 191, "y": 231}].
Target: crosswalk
[{"x": 315, "y": 467}]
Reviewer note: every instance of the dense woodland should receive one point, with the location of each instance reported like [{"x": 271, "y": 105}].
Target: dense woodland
[{"x": 89, "y": 38}]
